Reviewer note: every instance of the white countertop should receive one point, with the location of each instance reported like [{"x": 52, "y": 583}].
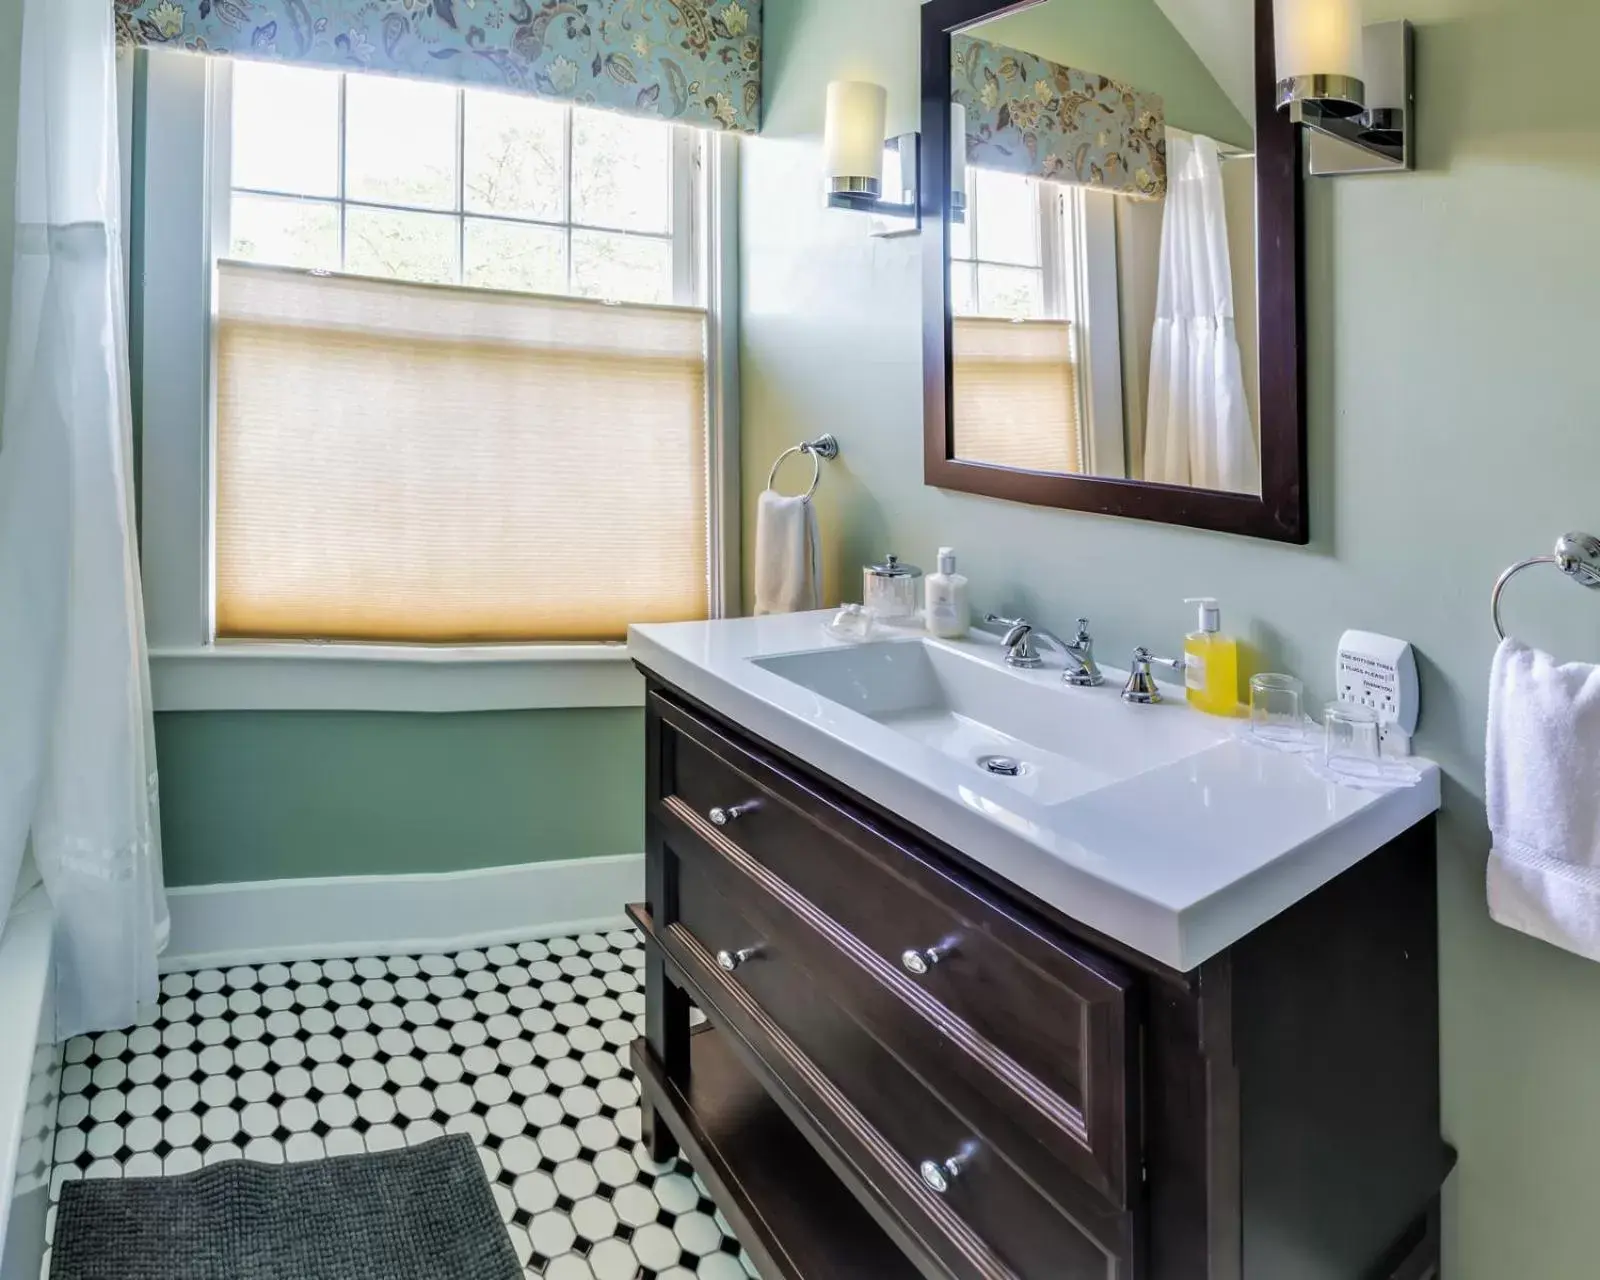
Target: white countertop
[{"x": 1178, "y": 863}]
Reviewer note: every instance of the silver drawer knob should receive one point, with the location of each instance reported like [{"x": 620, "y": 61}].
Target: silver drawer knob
[
  {"x": 728, "y": 961},
  {"x": 721, "y": 817},
  {"x": 937, "y": 1175},
  {"x": 919, "y": 962}
]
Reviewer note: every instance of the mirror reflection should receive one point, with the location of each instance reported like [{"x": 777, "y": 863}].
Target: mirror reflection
[{"x": 1103, "y": 244}]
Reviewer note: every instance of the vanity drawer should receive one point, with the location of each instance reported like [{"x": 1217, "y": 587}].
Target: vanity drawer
[
  {"x": 1037, "y": 1036},
  {"x": 990, "y": 1220}
]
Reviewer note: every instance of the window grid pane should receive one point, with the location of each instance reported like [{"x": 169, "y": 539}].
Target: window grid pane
[
  {"x": 621, "y": 173},
  {"x": 401, "y": 142},
  {"x": 287, "y": 232},
  {"x": 286, "y": 130},
  {"x": 515, "y": 158}
]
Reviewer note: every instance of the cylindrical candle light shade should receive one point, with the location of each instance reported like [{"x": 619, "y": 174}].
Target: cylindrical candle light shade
[
  {"x": 1319, "y": 51},
  {"x": 958, "y": 157},
  {"x": 858, "y": 115}
]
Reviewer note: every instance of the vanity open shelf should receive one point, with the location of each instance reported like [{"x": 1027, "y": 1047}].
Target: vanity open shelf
[
  {"x": 913, "y": 1067},
  {"x": 792, "y": 1213}
]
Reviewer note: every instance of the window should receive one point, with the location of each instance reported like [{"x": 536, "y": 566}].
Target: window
[
  {"x": 1036, "y": 369},
  {"x": 396, "y": 464},
  {"x": 461, "y": 384}
]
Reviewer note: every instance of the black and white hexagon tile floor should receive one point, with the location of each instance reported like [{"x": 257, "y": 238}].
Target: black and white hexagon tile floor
[{"x": 523, "y": 1047}]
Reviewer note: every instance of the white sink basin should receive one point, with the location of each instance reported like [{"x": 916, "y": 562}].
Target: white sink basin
[
  {"x": 1067, "y": 742},
  {"x": 1157, "y": 826}
]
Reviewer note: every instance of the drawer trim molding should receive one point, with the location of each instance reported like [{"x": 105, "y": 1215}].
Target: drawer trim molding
[
  {"x": 700, "y": 968},
  {"x": 1022, "y": 1082}
]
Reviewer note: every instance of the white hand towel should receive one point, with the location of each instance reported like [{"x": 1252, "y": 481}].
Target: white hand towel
[
  {"x": 788, "y": 555},
  {"x": 1544, "y": 798}
]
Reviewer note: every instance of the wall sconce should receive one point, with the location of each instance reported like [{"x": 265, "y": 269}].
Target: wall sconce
[
  {"x": 1350, "y": 85},
  {"x": 861, "y": 163}
]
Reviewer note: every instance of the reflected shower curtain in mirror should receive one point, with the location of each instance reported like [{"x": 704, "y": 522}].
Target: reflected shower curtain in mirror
[
  {"x": 1199, "y": 431},
  {"x": 77, "y": 755}
]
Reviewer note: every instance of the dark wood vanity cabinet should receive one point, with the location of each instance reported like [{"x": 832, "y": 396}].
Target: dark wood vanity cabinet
[{"x": 908, "y": 1068}]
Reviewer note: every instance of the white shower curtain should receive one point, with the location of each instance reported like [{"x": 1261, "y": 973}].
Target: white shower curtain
[
  {"x": 77, "y": 755},
  {"x": 1199, "y": 431}
]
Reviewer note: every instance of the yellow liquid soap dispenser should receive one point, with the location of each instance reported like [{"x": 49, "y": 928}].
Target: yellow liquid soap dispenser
[{"x": 1212, "y": 670}]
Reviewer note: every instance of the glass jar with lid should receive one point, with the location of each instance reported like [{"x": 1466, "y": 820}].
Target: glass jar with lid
[{"x": 889, "y": 590}]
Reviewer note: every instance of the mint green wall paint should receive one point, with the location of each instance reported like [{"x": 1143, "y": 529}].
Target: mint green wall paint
[
  {"x": 10, "y": 87},
  {"x": 1454, "y": 395},
  {"x": 1131, "y": 41},
  {"x": 265, "y": 795}
]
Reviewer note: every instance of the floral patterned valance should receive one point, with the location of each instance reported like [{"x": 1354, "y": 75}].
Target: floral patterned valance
[
  {"x": 695, "y": 61},
  {"x": 1026, "y": 115}
]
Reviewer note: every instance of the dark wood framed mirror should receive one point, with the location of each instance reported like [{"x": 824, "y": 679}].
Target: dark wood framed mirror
[{"x": 1096, "y": 334}]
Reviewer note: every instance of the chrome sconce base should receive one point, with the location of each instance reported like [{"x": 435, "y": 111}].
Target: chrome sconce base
[
  {"x": 1344, "y": 134},
  {"x": 903, "y": 176}
]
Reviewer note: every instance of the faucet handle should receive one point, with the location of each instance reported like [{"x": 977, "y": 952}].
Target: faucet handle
[
  {"x": 1083, "y": 632},
  {"x": 1142, "y": 688},
  {"x": 1018, "y": 642}
]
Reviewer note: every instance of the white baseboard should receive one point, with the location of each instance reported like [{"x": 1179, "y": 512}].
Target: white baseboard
[{"x": 214, "y": 926}]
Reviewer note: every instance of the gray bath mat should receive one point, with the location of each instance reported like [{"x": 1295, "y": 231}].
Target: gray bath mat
[{"x": 420, "y": 1214}]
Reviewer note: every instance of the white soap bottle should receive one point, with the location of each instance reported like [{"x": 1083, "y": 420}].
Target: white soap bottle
[{"x": 949, "y": 614}]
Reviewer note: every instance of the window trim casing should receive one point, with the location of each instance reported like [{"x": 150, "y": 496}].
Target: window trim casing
[{"x": 184, "y": 122}]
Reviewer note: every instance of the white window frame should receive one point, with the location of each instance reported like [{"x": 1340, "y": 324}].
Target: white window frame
[
  {"x": 1078, "y": 264},
  {"x": 176, "y": 231}
]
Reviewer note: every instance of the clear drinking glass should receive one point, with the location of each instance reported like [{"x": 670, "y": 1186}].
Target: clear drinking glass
[
  {"x": 1277, "y": 711},
  {"x": 1352, "y": 741}
]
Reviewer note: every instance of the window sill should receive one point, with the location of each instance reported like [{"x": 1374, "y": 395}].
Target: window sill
[{"x": 344, "y": 677}]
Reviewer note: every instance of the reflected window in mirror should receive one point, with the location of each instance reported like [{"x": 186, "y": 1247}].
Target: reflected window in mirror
[
  {"x": 997, "y": 254},
  {"x": 1025, "y": 304}
]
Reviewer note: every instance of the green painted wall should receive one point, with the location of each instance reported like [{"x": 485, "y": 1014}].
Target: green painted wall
[
  {"x": 10, "y": 87},
  {"x": 1454, "y": 393},
  {"x": 1131, "y": 41},
  {"x": 258, "y": 795}
]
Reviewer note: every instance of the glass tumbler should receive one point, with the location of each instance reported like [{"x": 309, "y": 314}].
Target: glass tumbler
[
  {"x": 1352, "y": 746},
  {"x": 1277, "y": 712}
]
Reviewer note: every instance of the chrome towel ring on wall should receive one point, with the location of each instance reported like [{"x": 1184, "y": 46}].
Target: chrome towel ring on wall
[
  {"x": 1577, "y": 555},
  {"x": 822, "y": 447}
]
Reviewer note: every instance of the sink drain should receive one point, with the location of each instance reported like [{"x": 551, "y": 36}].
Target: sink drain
[{"x": 1005, "y": 766}]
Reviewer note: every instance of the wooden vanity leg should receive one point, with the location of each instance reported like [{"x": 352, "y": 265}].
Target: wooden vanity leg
[
  {"x": 666, "y": 1007},
  {"x": 666, "y": 1027}
]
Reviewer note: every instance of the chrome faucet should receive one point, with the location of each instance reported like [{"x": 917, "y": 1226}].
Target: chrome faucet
[
  {"x": 1142, "y": 688},
  {"x": 1021, "y": 640}
]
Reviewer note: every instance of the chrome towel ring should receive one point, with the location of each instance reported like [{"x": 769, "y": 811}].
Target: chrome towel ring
[
  {"x": 1577, "y": 555},
  {"x": 822, "y": 447}
]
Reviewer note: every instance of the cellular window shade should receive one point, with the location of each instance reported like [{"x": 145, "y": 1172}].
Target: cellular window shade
[
  {"x": 399, "y": 462},
  {"x": 1016, "y": 395}
]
